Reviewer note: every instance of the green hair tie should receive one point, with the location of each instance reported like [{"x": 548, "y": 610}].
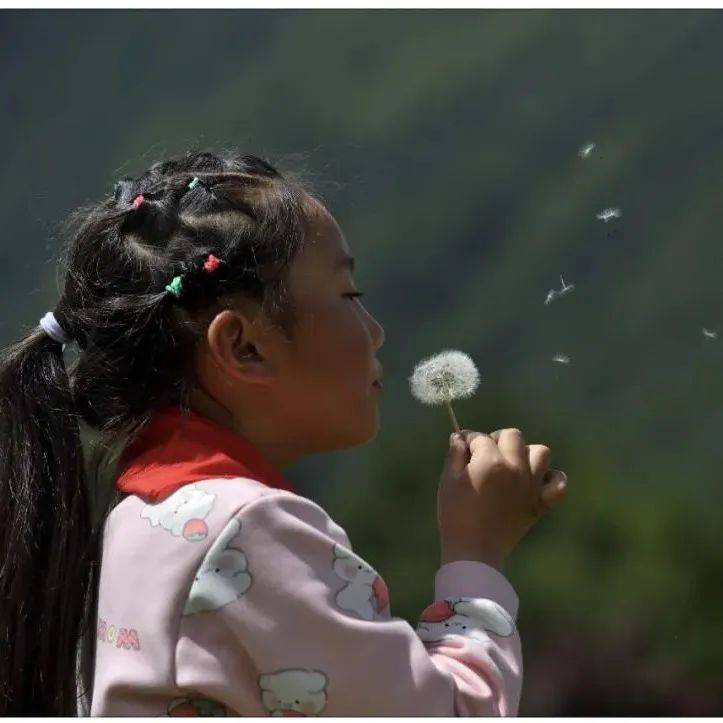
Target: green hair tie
[
  {"x": 175, "y": 286},
  {"x": 193, "y": 182}
]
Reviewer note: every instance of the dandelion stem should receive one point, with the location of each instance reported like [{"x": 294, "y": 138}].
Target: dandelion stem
[{"x": 455, "y": 424}]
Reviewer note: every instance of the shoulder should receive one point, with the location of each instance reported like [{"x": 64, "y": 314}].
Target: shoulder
[
  {"x": 286, "y": 514},
  {"x": 276, "y": 542},
  {"x": 193, "y": 513},
  {"x": 246, "y": 499},
  {"x": 199, "y": 511},
  {"x": 281, "y": 533}
]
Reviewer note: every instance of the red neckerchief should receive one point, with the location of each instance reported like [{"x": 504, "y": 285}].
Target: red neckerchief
[{"x": 177, "y": 447}]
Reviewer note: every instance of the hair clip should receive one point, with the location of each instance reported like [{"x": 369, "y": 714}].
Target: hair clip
[
  {"x": 209, "y": 266},
  {"x": 175, "y": 286},
  {"x": 193, "y": 182},
  {"x": 138, "y": 200}
]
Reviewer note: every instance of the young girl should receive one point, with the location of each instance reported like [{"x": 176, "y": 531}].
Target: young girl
[{"x": 213, "y": 304}]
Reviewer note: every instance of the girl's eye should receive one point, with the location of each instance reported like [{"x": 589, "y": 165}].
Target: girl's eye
[{"x": 354, "y": 294}]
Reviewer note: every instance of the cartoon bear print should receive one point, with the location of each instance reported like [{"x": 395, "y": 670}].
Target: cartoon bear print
[
  {"x": 188, "y": 707},
  {"x": 293, "y": 692},
  {"x": 182, "y": 513},
  {"x": 366, "y": 593},
  {"x": 222, "y": 577},
  {"x": 464, "y": 616}
]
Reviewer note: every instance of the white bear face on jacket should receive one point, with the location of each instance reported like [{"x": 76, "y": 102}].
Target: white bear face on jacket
[
  {"x": 222, "y": 576},
  {"x": 350, "y": 567},
  {"x": 293, "y": 692},
  {"x": 471, "y": 617},
  {"x": 365, "y": 593},
  {"x": 182, "y": 513}
]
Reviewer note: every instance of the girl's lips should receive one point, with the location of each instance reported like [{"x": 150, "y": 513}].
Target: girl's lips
[{"x": 377, "y": 384}]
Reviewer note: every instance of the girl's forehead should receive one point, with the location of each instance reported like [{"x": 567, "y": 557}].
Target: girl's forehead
[
  {"x": 319, "y": 220},
  {"x": 325, "y": 245}
]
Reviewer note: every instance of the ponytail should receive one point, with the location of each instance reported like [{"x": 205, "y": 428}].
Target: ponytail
[{"x": 48, "y": 563}]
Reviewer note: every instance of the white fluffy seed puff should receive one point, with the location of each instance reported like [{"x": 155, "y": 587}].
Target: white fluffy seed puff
[{"x": 443, "y": 377}]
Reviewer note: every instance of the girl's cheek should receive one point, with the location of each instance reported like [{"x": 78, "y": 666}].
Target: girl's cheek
[{"x": 339, "y": 346}]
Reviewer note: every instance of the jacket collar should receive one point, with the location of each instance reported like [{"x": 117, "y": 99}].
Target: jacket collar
[{"x": 179, "y": 446}]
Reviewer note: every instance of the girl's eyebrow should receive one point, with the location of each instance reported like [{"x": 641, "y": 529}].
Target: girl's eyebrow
[{"x": 345, "y": 261}]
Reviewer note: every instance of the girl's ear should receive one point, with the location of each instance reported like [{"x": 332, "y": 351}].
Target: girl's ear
[
  {"x": 245, "y": 352},
  {"x": 234, "y": 350}
]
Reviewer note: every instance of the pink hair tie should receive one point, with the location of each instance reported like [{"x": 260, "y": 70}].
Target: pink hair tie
[
  {"x": 211, "y": 263},
  {"x": 138, "y": 200}
]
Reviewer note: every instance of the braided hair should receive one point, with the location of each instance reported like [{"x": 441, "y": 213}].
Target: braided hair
[{"x": 136, "y": 299}]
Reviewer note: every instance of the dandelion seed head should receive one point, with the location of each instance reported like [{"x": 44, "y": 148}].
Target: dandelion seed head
[{"x": 443, "y": 377}]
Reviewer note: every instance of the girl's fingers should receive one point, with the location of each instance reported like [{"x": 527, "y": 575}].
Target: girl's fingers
[
  {"x": 539, "y": 456},
  {"x": 512, "y": 445},
  {"x": 552, "y": 491},
  {"x": 477, "y": 440}
]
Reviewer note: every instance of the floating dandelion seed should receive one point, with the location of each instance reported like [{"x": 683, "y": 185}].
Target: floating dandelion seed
[
  {"x": 710, "y": 334},
  {"x": 551, "y": 296},
  {"x": 607, "y": 213},
  {"x": 561, "y": 358},
  {"x": 443, "y": 377},
  {"x": 586, "y": 150},
  {"x": 566, "y": 289}
]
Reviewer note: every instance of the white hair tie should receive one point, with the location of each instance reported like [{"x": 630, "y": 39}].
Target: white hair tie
[{"x": 54, "y": 330}]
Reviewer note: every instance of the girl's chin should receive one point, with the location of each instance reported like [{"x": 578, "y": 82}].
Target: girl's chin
[{"x": 368, "y": 432}]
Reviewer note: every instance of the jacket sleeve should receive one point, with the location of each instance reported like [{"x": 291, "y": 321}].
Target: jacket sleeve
[{"x": 282, "y": 618}]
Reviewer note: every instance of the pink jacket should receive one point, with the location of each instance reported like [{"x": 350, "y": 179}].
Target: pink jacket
[{"x": 225, "y": 592}]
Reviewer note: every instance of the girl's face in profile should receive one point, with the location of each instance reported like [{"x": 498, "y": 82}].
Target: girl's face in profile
[
  {"x": 313, "y": 394},
  {"x": 327, "y": 379}
]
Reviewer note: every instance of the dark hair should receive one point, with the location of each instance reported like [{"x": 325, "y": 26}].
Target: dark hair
[{"x": 136, "y": 343}]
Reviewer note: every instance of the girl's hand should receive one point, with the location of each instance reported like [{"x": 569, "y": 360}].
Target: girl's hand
[
  {"x": 492, "y": 490},
  {"x": 539, "y": 456}
]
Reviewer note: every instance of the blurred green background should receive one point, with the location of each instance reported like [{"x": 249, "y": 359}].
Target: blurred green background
[{"x": 446, "y": 145}]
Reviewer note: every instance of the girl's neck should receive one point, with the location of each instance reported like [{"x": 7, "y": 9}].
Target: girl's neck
[{"x": 205, "y": 404}]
